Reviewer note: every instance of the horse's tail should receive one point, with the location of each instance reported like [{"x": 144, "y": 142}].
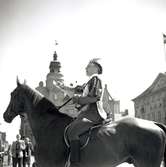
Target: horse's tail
[{"x": 163, "y": 127}]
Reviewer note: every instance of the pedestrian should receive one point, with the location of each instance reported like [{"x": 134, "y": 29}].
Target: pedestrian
[
  {"x": 9, "y": 155},
  {"x": 17, "y": 151},
  {"x": 27, "y": 153},
  {"x": 91, "y": 112}
]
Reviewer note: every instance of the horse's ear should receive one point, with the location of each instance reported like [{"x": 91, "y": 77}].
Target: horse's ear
[
  {"x": 25, "y": 82},
  {"x": 18, "y": 82}
]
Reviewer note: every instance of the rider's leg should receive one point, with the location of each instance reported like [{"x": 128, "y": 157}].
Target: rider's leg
[
  {"x": 77, "y": 128},
  {"x": 75, "y": 153}
]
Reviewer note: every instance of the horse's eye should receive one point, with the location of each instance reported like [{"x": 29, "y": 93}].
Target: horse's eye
[{"x": 13, "y": 95}]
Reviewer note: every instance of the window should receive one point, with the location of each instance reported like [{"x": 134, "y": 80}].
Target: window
[
  {"x": 142, "y": 110},
  {"x": 153, "y": 116},
  {"x": 148, "y": 116},
  {"x": 159, "y": 116},
  {"x": 143, "y": 115}
]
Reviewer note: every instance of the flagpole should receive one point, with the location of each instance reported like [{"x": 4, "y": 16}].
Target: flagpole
[
  {"x": 164, "y": 52},
  {"x": 164, "y": 43}
]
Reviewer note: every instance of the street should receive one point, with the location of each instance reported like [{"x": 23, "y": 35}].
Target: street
[{"x": 5, "y": 164}]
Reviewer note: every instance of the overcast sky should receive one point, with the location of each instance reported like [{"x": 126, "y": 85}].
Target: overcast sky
[{"x": 125, "y": 34}]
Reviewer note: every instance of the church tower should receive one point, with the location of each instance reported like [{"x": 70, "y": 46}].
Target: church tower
[{"x": 54, "y": 80}]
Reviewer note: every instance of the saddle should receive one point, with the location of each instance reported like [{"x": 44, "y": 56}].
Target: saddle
[
  {"x": 84, "y": 138},
  {"x": 87, "y": 135}
]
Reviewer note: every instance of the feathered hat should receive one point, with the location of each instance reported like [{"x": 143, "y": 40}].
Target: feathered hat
[{"x": 95, "y": 62}]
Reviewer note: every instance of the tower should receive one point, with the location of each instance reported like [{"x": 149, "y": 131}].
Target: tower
[
  {"x": 54, "y": 77},
  {"x": 54, "y": 80}
]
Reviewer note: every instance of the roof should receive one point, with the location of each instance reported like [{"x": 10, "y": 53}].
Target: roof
[{"x": 158, "y": 83}]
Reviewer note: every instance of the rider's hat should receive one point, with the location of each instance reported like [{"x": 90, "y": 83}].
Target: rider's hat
[{"x": 96, "y": 63}]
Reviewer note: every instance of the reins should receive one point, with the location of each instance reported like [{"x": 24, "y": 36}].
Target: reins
[{"x": 64, "y": 103}]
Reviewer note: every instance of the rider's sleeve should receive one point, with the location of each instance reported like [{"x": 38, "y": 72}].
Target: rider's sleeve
[
  {"x": 96, "y": 88},
  {"x": 94, "y": 94}
]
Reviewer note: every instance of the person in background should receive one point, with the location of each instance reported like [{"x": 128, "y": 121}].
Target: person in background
[
  {"x": 9, "y": 156},
  {"x": 17, "y": 151},
  {"x": 27, "y": 153}
]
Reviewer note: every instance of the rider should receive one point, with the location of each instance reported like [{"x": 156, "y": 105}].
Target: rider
[{"x": 91, "y": 112}]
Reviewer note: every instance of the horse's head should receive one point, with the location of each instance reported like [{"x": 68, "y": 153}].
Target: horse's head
[{"x": 16, "y": 104}]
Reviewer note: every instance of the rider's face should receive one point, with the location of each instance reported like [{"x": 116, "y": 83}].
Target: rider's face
[{"x": 90, "y": 69}]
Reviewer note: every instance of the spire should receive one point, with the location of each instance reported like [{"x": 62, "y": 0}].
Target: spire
[
  {"x": 55, "y": 56},
  {"x": 54, "y": 64}
]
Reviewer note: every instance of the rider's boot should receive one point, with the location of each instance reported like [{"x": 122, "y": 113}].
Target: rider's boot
[{"x": 75, "y": 153}]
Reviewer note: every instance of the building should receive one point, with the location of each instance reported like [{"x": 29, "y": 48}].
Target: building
[
  {"x": 55, "y": 90},
  {"x": 151, "y": 104},
  {"x": 3, "y": 142},
  {"x": 25, "y": 129},
  {"x": 125, "y": 113},
  {"x": 54, "y": 81}
]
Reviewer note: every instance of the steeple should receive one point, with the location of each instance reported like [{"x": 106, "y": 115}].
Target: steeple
[
  {"x": 54, "y": 76},
  {"x": 55, "y": 65}
]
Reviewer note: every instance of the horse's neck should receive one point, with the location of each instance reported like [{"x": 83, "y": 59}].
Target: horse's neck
[{"x": 42, "y": 118}]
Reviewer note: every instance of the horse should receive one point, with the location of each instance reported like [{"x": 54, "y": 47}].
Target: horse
[{"x": 110, "y": 144}]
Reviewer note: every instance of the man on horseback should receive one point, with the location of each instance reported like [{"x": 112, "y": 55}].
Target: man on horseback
[{"x": 90, "y": 107}]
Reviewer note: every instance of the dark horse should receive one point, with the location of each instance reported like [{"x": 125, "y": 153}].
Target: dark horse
[{"x": 110, "y": 145}]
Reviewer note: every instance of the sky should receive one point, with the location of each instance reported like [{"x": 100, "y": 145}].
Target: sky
[{"x": 125, "y": 34}]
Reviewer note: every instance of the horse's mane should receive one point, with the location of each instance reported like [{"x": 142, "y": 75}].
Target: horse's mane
[
  {"x": 41, "y": 103},
  {"x": 34, "y": 95}
]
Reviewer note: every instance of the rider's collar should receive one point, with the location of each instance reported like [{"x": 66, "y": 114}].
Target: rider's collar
[{"x": 94, "y": 75}]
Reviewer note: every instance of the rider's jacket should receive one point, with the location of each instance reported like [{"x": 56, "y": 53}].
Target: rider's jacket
[{"x": 91, "y": 100}]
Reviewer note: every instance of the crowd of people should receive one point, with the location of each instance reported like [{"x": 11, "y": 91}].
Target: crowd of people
[
  {"x": 19, "y": 154},
  {"x": 21, "y": 151}
]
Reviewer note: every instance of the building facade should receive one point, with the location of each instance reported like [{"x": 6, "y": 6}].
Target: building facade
[
  {"x": 151, "y": 104},
  {"x": 3, "y": 142}
]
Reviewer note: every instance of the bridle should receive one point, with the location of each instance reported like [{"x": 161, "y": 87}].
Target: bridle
[{"x": 16, "y": 112}]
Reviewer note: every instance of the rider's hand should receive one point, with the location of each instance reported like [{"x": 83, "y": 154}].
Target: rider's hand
[{"x": 75, "y": 99}]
